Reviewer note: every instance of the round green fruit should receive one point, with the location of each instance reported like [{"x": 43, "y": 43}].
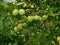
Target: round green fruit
[
  {"x": 20, "y": 26},
  {"x": 12, "y": 33},
  {"x": 24, "y": 18},
  {"x": 30, "y": 18},
  {"x": 25, "y": 25},
  {"x": 21, "y": 11},
  {"x": 16, "y": 29},
  {"x": 44, "y": 17},
  {"x": 15, "y": 12},
  {"x": 36, "y": 17}
]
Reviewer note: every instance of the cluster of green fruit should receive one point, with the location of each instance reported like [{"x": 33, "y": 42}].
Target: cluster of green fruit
[
  {"x": 20, "y": 11},
  {"x": 18, "y": 28},
  {"x": 38, "y": 18},
  {"x": 30, "y": 18}
]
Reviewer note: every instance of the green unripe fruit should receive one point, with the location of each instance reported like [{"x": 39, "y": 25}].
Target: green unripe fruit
[
  {"x": 25, "y": 25},
  {"x": 21, "y": 11},
  {"x": 20, "y": 26},
  {"x": 44, "y": 17},
  {"x": 24, "y": 18},
  {"x": 30, "y": 18},
  {"x": 16, "y": 29},
  {"x": 12, "y": 33},
  {"x": 15, "y": 12},
  {"x": 36, "y": 17}
]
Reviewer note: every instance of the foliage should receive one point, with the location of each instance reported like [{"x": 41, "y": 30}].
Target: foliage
[{"x": 37, "y": 24}]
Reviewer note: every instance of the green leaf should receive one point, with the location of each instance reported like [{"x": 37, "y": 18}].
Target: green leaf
[{"x": 4, "y": 4}]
